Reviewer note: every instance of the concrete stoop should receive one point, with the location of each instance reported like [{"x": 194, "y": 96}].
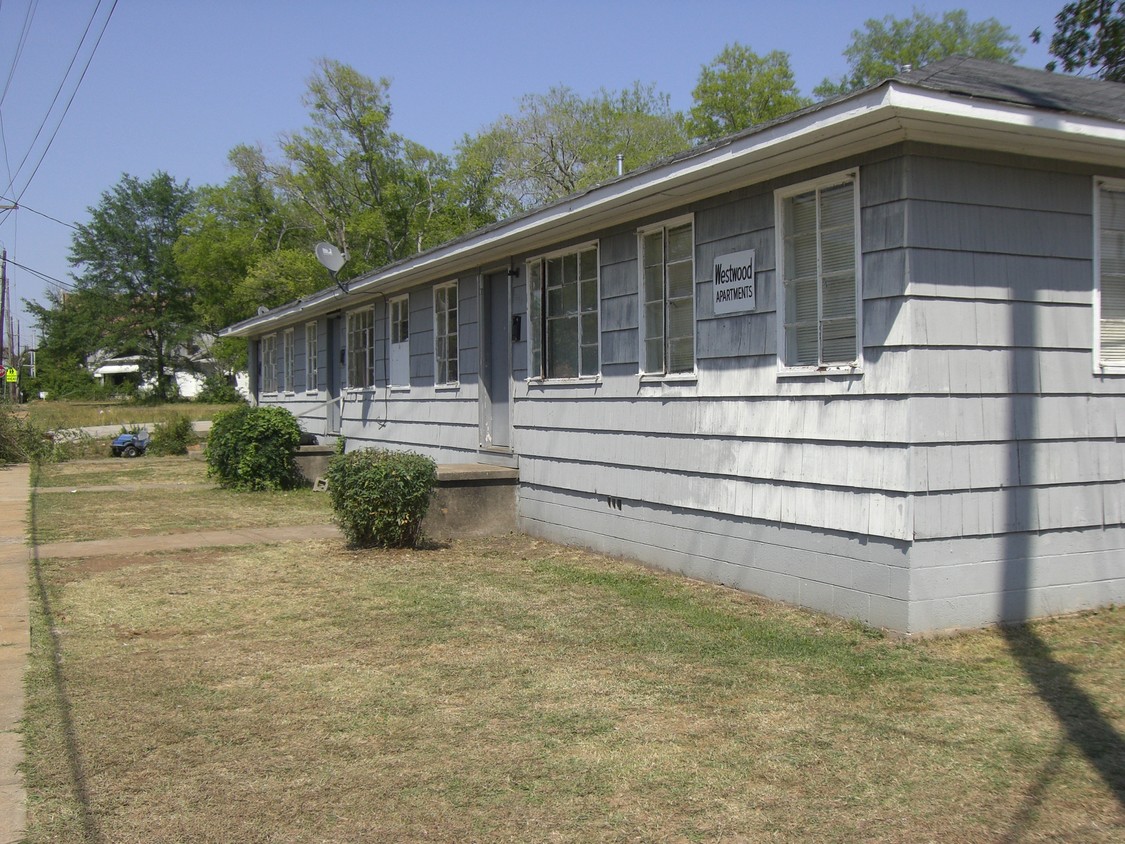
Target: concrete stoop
[{"x": 472, "y": 499}]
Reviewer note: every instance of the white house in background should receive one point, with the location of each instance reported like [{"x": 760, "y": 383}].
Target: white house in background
[
  {"x": 126, "y": 369},
  {"x": 868, "y": 358}
]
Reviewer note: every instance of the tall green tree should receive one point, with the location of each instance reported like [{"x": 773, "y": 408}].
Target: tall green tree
[
  {"x": 884, "y": 46},
  {"x": 69, "y": 334},
  {"x": 1089, "y": 35},
  {"x": 739, "y": 89},
  {"x": 370, "y": 191},
  {"x": 127, "y": 276},
  {"x": 560, "y": 143}
]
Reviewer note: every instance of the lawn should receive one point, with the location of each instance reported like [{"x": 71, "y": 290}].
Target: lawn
[
  {"x": 516, "y": 690},
  {"x": 158, "y": 495},
  {"x": 57, "y": 415}
]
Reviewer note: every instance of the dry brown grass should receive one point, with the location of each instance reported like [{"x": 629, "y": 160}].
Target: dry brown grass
[
  {"x": 516, "y": 690},
  {"x": 159, "y": 495},
  {"x": 122, "y": 472},
  {"x": 76, "y": 414}
]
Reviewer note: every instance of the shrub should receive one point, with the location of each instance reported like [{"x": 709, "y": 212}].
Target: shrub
[
  {"x": 172, "y": 437},
  {"x": 217, "y": 390},
  {"x": 380, "y": 497},
  {"x": 251, "y": 448},
  {"x": 23, "y": 442}
]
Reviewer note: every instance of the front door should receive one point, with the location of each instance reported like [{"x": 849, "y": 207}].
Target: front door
[
  {"x": 496, "y": 364},
  {"x": 334, "y": 374},
  {"x": 399, "y": 374}
]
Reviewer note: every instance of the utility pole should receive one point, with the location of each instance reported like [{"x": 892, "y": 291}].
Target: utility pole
[{"x": 3, "y": 308}]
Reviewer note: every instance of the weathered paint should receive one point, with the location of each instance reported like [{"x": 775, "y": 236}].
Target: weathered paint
[{"x": 971, "y": 472}]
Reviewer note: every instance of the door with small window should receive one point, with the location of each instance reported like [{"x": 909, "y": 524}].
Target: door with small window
[{"x": 399, "y": 358}]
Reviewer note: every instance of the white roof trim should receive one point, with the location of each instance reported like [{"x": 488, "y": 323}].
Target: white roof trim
[{"x": 873, "y": 118}]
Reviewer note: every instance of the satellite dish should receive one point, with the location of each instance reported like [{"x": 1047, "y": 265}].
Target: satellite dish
[
  {"x": 331, "y": 257},
  {"x": 262, "y": 310}
]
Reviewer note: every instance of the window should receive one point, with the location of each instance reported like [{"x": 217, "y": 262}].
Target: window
[
  {"x": 268, "y": 350},
  {"x": 312, "y": 362},
  {"x": 1110, "y": 277},
  {"x": 400, "y": 341},
  {"x": 563, "y": 308},
  {"x": 668, "y": 299},
  {"x": 445, "y": 333},
  {"x": 818, "y": 299},
  {"x": 361, "y": 348},
  {"x": 287, "y": 360}
]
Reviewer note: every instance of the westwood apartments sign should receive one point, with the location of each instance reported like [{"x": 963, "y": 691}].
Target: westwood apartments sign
[{"x": 734, "y": 283}]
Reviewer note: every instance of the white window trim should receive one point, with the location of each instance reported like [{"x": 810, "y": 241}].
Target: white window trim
[
  {"x": 850, "y": 368},
  {"x": 312, "y": 357},
  {"x": 269, "y": 385},
  {"x": 288, "y": 354},
  {"x": 545, "y": 256},
  {"x": 348, "y": 316},
  {"x": 686, "y": 375},
  {"x": 1100, "y": 368},
  {"x": 449, "y": 285}
]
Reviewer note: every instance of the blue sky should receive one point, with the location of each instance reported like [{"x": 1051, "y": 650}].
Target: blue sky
[{"x": 175, "y": 84}]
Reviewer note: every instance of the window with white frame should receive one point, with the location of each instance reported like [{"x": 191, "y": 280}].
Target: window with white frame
[
  {"x": 818, "y": 264},
  {"x": 361, "y": 348},
  {"x": 267, "y": 348},
  {"x": 287, "y": 360},
  {"x": 312, "y": 359},
  {"x": 398, "y": 358},
  {"x": 667, "y": 286},
  {"x": 445, "y": 333},
  {"x": 1110, "y": 276},
  {"x": 563, "y": 308}
]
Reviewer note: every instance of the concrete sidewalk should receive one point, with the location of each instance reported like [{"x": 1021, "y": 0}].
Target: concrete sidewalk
[{"x": 15, "y": 643}]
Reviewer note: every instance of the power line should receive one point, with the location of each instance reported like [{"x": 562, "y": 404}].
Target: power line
[
  {"x": 19, "y": 47},
  {"x": 69, "y": 102},
  {"x": 21, "y": 206},
  {"x": 41, "y": 275}
]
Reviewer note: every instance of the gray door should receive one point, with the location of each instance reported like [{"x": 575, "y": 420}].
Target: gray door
[
  {"x": 496, "y": 364},
  {"x": 335, "y": 373}
]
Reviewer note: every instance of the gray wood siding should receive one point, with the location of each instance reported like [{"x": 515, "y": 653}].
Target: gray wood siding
[
  {"x": 974, "y": 466},
  {"x": 439, "y": 421},
  {"x": 736, "y": 440},
  {"x": 1015, "y": 435}
]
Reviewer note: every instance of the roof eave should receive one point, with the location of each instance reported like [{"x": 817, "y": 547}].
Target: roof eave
[{"x": 874, "y": 118}]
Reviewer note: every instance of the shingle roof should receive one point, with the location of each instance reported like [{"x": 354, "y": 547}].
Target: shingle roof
[{"x": 1022, "y": 86}]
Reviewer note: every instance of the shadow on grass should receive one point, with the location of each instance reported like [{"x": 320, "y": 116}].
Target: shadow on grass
[
  {"x": 1084, "y": 725},
  {"x": 90, "y": 829}
]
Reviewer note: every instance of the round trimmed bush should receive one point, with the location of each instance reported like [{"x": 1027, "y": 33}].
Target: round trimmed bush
[
  {"x": 380, "y": 497},
  {"x": 251, "y": 448}
]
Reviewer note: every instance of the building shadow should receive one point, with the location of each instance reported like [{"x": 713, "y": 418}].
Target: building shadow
[
  {"x": 78, "y": 781},
  {"x": 1085, "y": 727}
]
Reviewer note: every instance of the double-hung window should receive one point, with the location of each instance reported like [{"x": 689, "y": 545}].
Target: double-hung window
[
  {"x": 268, "y": 351},
  {"x": 1110, "y": 277},
  {"x": 287, "y": 360},
  {"x": 361, "y": 348},
  {"x": 563, "y": 309},
  {"x": 445, "y": 333},
  {"x": 312, "y": 362},
  {"x": 818, "y": 264},
  {"x": 667, "y": 287}
]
